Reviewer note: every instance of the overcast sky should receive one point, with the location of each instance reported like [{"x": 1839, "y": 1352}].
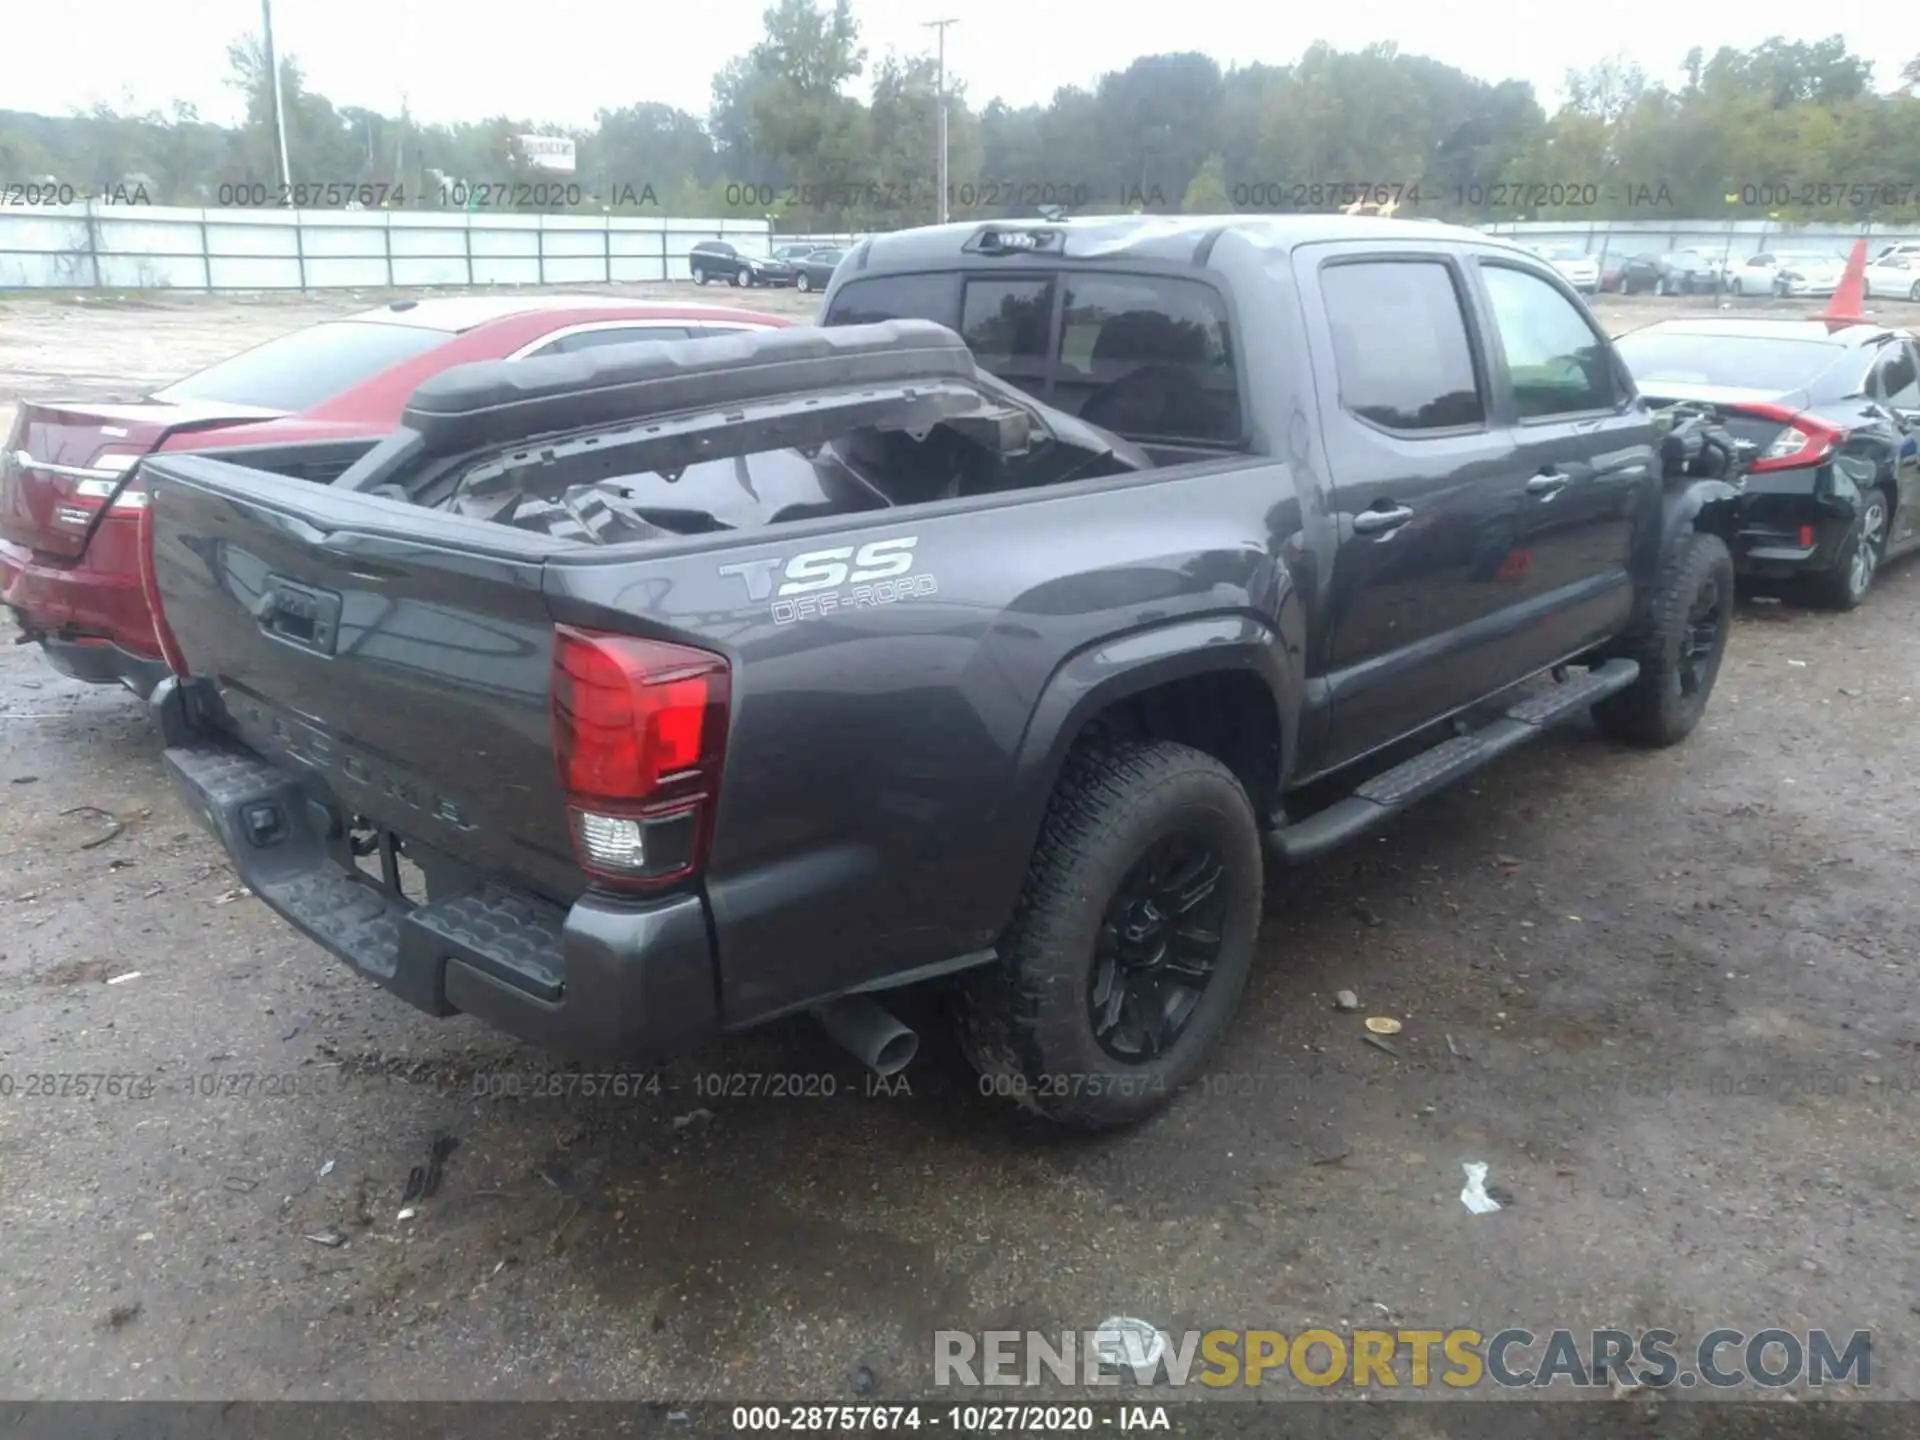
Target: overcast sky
[{"x": 560, "y": 60}]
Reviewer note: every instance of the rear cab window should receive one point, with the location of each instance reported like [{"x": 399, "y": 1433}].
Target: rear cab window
[
  {"x": 1151, "y": 357},
  {"x": 299, "y": 371}
]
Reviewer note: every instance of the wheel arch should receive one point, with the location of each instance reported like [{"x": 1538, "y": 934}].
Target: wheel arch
[{"x": 1225, "y": 684}]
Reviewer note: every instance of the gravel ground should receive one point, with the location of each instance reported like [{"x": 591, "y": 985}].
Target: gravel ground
[{"x": 1666, "y": 998}]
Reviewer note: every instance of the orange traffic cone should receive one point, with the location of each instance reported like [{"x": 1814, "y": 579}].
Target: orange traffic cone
[{"x": 1844, "y": 308}]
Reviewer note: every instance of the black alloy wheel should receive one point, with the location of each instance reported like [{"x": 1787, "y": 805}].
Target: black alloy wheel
[{"x": 1158, "y": 946}]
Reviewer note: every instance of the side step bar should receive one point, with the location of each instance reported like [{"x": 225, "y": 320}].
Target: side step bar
[{"x": 1387, "y": 794}]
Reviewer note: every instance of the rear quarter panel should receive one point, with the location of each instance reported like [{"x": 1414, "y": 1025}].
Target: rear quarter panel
[{"x": 889, "y": 759}]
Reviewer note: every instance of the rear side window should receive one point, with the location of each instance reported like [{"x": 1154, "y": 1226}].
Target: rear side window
[
  {"x": 1899, "y": 381},
  {"x": 1400, "y": 345},
  {"x": 299, "y": 371},
  {"x": 1557, "y": 364},
  {"x": 897, "y": 297}
]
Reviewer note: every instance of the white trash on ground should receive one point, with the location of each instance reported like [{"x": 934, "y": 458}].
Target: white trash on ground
[{"x": 1475, "y": 1196}]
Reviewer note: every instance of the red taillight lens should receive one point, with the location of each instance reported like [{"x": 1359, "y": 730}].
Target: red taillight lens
[
  {"x": 150, "y": 587},
  {"x": 1805, "y": 441},
  {"x": 639, "y": 733}
]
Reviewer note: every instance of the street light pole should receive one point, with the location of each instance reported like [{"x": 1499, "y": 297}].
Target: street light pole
[
  {"x": 279, "y": 111},
  {"x": 941, "y": 26}
]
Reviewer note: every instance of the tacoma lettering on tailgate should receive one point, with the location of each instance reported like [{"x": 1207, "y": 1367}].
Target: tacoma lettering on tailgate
[{"x": 314, "y": 748}]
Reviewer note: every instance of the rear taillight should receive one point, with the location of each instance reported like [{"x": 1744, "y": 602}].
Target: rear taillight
[
  {"x": 639, "y": 731},
  {"x": 1803, "y": 442},
  {"x": 150, "y": 587},
  {"x": 66, "y": 499}
]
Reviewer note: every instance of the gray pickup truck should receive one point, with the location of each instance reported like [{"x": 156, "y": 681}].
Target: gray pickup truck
[{"x": 993, "y": 634}]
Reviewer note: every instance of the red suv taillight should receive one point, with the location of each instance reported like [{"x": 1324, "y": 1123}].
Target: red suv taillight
[
  {"x": 1805, "y": 441},
  {"x": 150, "y": 587},
  {"x": 639, "y": 731}
]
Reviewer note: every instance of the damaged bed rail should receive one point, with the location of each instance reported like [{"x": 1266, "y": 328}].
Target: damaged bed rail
[{"x": 496, "y": 401}]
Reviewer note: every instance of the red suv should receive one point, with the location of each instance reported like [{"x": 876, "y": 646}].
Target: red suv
[{"x": 306, "y": 405}]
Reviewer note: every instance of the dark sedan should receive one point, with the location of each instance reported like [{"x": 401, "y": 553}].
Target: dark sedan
[
  {"x": 1678, "y": 272},
  {"x": 812, "y": 272},
  {"x": 1829, "y": 414}
]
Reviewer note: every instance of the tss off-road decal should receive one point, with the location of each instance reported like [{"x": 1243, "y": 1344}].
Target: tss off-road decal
[{"x": 824, "y": 582}]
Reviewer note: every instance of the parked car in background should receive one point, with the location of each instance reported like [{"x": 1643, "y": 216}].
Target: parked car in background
[
  {"x": 1909, "y": 248},
  {"x": 305, "y": 405},
  {"x": 1787, "y": 272},
  {"x": 1581, "y": 270},
  {"x": 1678, "y": 272},
  {"x": 724, "y": 261},
  {"x": 1895, "y": 276},
  {"x": 1828, "y": 413},
  {"x": 789, "y": 254},
  {"x": 815, "y": 272}
]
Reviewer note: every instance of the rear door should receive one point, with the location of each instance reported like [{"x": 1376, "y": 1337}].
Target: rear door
[
  {"x": 1583, "y": 456},
  {"x": 1426, "y": 486}
]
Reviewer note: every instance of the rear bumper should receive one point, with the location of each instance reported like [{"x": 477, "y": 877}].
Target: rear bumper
[
  {"x": 101, "y": 662},
  {"x": 1768, "y": 541},
  {"x": 602, "y": 978},
  {"x": 90, "y": 616}
]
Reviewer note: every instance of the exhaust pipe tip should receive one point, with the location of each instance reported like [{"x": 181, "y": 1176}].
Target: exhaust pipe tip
[
  {"x": 897, "y": 1053},
  {"x": 870, "y": 1033}
]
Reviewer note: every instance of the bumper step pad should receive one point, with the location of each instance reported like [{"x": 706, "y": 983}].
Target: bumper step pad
[{"x": 310, "y": 879}]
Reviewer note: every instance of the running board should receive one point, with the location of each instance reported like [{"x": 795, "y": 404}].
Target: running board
[{"x": 1387, "y": 794}]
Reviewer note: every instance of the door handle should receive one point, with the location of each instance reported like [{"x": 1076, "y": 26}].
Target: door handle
[
  {"x": 1381, "y": 521},
  {"x": 1547, "y": 484}
]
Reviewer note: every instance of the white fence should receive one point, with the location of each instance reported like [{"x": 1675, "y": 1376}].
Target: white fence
[
  {"x": 123, "y": 247},
  {"x": 1717, "y": 239},
  {"x": 1618, "y": 239}
]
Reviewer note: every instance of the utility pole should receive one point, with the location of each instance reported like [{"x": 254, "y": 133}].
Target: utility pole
[
  {"x": 279, "y": 110},
  {"x": 941, "y": 26}
]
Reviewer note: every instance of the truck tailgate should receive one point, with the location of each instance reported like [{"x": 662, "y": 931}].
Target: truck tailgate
[{"x": 396, "y": 656}]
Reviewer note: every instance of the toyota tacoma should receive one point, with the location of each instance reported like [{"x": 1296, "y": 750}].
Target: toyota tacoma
[{"x": 995, "y": 634}]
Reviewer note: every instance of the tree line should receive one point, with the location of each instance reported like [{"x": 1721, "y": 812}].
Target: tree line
[{"x": 1791, "y": 130}]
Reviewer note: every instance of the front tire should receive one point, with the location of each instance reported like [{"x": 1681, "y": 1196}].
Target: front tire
[
  {"x": 741, "y": 280},
  {"x": 1131, "y": 942},
  {"x": 1660, "y": 285},
  {"x": 1845, "y": 586},
  {"x": 1914, "y": 293},
  {"x": 1679, "y": 650}
]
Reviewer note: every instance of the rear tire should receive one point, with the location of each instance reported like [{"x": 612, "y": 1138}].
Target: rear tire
[
  {"x": 699, "y": 276},
  {"x": 1109, "y": 943},
  {"x": 1847, "y": 584},
  {"x": 803, "y": 284},
  {"x": 1679, "y": 650}
]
